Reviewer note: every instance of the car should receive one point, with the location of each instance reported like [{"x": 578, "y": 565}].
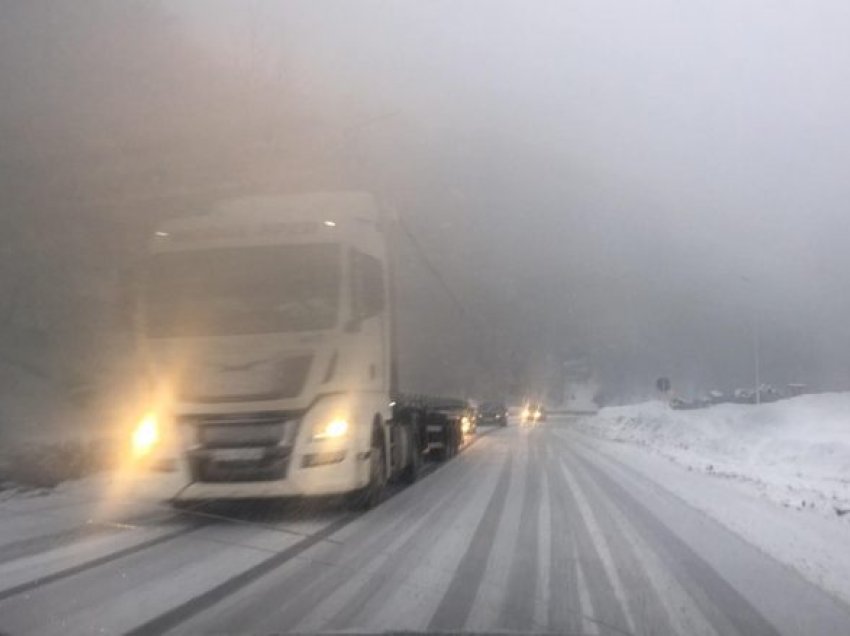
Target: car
[
  {"x": 495, "y": 413},
  {"x": 680, "y": 404},
  {"x": 769, "y": 393},
  {"x": 533, "y": 413},
  {"x": 717, "y": 397},
  {"x": 744, "y": 396}
]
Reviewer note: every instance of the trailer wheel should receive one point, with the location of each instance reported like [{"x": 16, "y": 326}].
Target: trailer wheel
[
  {"x": 414, "y": 467},
  {"x": 451, "y": 441},
  {"x": 443, "y": 453}
]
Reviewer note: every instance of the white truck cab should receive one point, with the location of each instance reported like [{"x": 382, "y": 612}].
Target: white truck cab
[{"x": 267, "y": 330}]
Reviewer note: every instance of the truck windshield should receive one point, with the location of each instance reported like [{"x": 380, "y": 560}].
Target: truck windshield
[{"x": 246, "y": 290}]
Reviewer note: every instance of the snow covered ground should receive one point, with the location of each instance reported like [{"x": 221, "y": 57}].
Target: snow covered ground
[
  {"x": 795, "y": 452},
  {"x": 30, "y": 408},
  {"x": 47, "y": 438},
  {"x": 546, "y": 528},
  {"x": 777, "y": 474}
]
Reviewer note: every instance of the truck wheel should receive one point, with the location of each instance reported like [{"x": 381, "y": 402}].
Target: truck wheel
[
  {"x": 370, "y": 496},
  {"x": 414, "y": 468},
  {"x": 448, "y": 450}
]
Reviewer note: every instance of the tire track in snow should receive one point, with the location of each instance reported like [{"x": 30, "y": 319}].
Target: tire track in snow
[
  {"x": 410, "y": 588},
  {"x": 544, "y": 548},
  {"x": 319, "y": 596},
  {"x": 456, "y": 604},
  {"x": 601, "y": 539},
  {"x": 648, "y": 612},
  {"x": 669, "y": 608},
  {"x": 400, "y": 562},
  {"x": 36, "y": 545},
  {"x": 179, "y": 614},
  {"x": 22, "y": 548},
  {"x": 723, "y": 606},
  {"x": 289, "y": 599},
  {"x": 518, "y": 608},
  {"x": 97, "y": 562},
  {"x": 609, "y": 614},
  {"x": 565, "y": 607},
  {"x": 307, "y": 590}
]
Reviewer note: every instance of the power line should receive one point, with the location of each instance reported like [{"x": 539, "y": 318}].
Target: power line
[
  {"x": 480, "y": 330},
  {"x": 423, "y": 257}
]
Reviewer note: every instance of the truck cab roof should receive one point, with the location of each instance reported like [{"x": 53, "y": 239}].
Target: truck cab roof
[{"x": 274, "y": 219}]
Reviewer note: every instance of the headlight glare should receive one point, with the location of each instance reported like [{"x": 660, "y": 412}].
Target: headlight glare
[
  {"x": 332, "y": 430},
  {"x": 146, "y": 435}
]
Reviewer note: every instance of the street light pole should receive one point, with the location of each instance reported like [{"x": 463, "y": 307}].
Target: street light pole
[
  {"x": 756, "y": 344},
  {"x": 757, "y": 356}
]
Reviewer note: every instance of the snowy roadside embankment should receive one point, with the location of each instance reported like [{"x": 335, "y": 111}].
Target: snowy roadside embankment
[
  {"x": 45, "y": 438},
  {"x": 795, "y": 452}
]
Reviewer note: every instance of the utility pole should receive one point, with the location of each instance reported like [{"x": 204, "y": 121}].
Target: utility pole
[
  {"x": 756, "y": 342},
  {"x": 757, "y": 356}
]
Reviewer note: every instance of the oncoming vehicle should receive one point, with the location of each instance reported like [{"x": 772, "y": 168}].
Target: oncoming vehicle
[
  {"x": 532, "y": 413},
  {"x": 268, "y": 332}
]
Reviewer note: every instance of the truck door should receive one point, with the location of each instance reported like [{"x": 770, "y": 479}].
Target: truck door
[{"x": 369, "y": 322}]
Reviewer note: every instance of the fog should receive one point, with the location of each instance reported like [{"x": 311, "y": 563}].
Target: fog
[{"x": 658, "y": 187}]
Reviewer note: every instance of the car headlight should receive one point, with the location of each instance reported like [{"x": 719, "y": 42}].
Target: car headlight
[
  {"x": 465, "y": 424},
  {"x": 331, "y": 430}
]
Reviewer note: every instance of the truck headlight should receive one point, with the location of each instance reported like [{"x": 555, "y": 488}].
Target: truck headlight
[
  {"x": 331, "y": 430},
  {"x": 145, "y": 436}
]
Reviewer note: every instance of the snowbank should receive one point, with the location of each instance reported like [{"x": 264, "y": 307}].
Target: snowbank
[
  {"x": 45, "y": 438},
  {"x": 796, "y": 452}
]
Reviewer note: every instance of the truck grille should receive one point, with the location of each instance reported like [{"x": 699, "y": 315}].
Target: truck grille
[
  {"x": 240, "y": 435},
  {"x": 266, "y": 380},
  {"x": 241, "y": 446}
]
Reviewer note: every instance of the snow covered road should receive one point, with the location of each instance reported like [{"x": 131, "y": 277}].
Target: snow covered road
[{"x": 539, "y": 530}]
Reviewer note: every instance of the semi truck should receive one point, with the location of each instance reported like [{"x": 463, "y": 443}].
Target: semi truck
[{"x": 268, "y": 329}]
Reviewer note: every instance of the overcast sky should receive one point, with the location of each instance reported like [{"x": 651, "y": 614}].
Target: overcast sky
[{"x": 652, "y": 175}]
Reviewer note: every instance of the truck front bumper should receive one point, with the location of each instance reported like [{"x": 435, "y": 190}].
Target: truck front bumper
[{"x": 304, "y": 478}]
